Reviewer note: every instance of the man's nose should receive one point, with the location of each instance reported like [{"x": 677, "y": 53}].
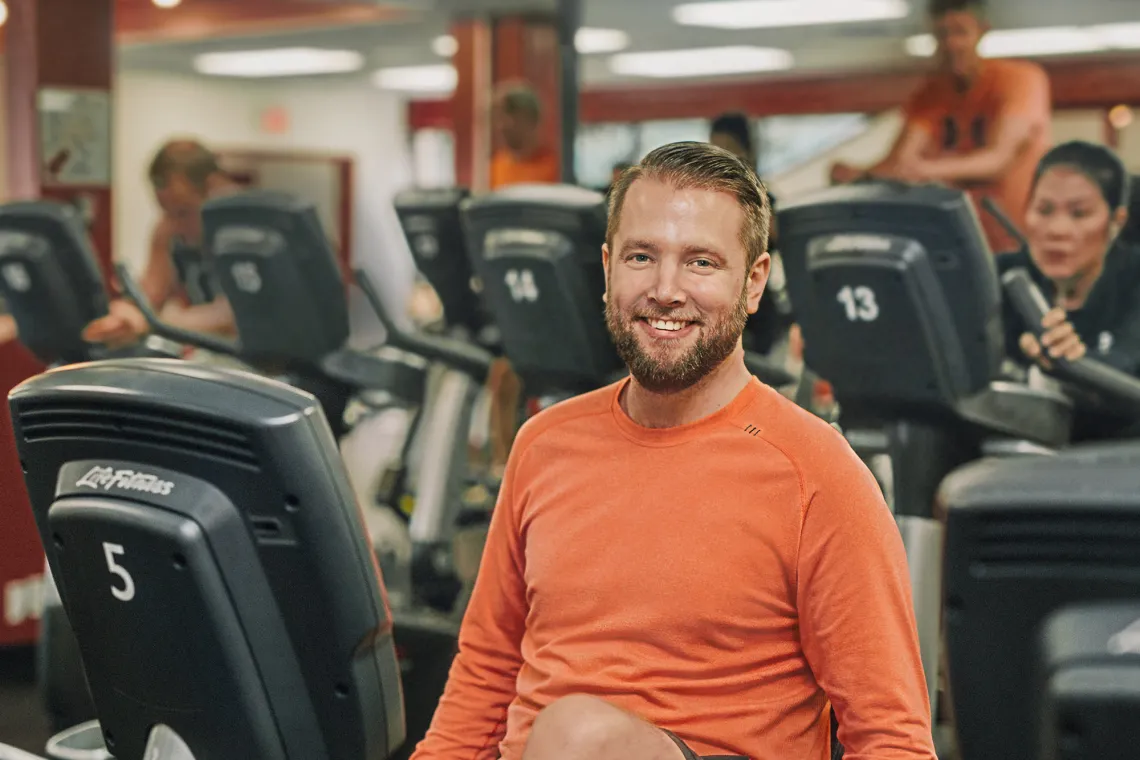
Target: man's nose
[{"x": 667, "y": 288}]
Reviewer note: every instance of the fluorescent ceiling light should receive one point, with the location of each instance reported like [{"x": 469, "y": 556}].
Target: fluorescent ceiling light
[
  {"x": 3, "y": 12},
  {"x": 281, "y": 62},
  {"x": 759, "y": 14},
  {"x": 589, "y": 40},
  {"x": 1120, "y": 36},
  {"x": 440, "y": 78},
  {"x": 445, "y": 46},
  {"x": 1051, "y": 40},
  {"x": 697, "y": 62}
]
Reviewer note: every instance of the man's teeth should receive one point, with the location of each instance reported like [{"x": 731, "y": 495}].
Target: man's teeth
[{"x": 663, "y": 324}]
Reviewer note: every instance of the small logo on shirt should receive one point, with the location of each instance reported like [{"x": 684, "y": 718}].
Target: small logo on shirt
[
  {"x": 1104, "y": 342},
  {"x": 752, "y": 430}
]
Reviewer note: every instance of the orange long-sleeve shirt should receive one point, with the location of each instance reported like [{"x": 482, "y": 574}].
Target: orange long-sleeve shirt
[{"x": 721, "y": 579}]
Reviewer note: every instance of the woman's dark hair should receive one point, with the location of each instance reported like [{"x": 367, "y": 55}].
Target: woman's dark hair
[
  {"x": 735, "y": 125},
  {"x": 1096, "y": 162}
]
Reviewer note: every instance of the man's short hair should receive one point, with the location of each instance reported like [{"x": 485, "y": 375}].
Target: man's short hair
[
  {"x": 520, "y": 99},
  {"x": 940, "y": 8},
  {"x": 187, "y": 158},
  {"x": 707, "y": 167}
]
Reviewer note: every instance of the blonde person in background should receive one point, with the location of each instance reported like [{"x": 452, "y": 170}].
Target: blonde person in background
[{"x": 184, "y": 174}]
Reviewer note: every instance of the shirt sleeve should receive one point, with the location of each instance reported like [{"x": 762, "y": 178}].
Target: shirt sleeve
[
  {"x": 857, "y": 620},
  {"x": 471, "y": 718}
]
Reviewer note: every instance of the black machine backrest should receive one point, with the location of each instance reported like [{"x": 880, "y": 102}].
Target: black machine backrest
[
  {"x": 432, "y": 225},
  {"x": 212, "y": 560},
  {"x": 1027, "y": 538},
  {"x": 896, "y": 292},
  {"x": 49, "y": 278},
  {"x": 538, "y": 251},
  {"x": 278, "y": 270}
]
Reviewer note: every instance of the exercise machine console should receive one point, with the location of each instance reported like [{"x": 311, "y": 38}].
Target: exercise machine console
[
  {"x": 1043, "y": 605},
  {"x": 49, "y": 279},
  {"x": 198, "y": 520}
]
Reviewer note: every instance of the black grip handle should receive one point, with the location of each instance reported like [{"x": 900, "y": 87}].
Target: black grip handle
[
  {"x": 164, "y": 330},
  {"x": 1118, "y": 389},
  {"x": 1026, "y": 298}
]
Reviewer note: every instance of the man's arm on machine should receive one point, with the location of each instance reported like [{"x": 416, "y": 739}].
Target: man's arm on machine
[
  {"x": 471, "y": 718},
  {"x": 857, "y": 618},
  {"x": 1025, "y": 100}
]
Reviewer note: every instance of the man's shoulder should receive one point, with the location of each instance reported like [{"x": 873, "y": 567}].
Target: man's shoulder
[
  {"x": 596, "y": 403},
  {"x": 1010, "y": 72},
  {"x": 811, "y": 444}
]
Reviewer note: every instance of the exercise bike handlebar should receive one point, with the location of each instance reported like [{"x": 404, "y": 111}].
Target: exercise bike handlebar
[
  {"x": 166, "y": 330},
  {"x": 457, "y": 354},
  {"x": 1118, "y": 388}
]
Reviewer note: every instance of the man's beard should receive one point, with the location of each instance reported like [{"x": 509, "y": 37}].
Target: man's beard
[{"x": 716, "y": 340}]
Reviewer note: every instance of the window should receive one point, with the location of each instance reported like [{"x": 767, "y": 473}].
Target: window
[{"x": 787, "y": 141}]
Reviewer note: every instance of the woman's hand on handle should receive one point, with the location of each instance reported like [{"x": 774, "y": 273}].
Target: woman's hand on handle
[{"x": 1059, "y": 341}]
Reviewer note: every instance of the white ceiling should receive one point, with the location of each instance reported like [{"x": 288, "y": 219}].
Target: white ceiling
[{"x": 650, "y": 27}]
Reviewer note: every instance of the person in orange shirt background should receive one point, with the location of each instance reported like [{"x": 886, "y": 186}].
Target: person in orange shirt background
[
  {"x": 980, "y": 125},
  {"x": 522, "y": 157}
]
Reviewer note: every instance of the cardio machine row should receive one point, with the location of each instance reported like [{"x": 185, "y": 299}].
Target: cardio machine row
[{"x": 913, "y": 298}]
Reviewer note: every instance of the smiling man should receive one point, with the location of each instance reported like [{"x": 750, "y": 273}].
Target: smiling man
[{"x": 685, "y": 564}]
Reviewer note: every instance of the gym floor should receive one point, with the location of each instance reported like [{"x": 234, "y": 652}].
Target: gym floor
[{"x": 23, "y": 723}]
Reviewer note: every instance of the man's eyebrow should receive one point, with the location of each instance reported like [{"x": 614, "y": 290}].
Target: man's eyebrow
[{"x": 638, "y": 244}]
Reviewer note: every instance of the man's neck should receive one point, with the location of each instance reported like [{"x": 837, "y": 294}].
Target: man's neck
[{"x": 665, "y": 410}]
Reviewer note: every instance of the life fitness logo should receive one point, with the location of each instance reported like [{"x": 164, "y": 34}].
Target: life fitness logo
[{"x": 106, "y": 478}]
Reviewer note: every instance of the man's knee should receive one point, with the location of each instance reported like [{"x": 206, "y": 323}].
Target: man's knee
[{"x": 582, "y": 726}]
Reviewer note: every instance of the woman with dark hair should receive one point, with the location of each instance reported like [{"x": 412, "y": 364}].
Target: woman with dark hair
[{"x": 1077, "y": 210}]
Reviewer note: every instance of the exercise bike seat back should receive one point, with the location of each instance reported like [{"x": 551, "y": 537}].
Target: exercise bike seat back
[
  {"x": 276, "y": 267},
  {"x": 432, "y": 226},
  {"x": 212, "y": 560},
  {"x": 49, "y": 278},
  {"x": 896, "y": 293},
  {"x": 538, "y": 251}
]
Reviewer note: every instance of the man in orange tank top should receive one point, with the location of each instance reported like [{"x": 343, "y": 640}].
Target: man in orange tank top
[{"x": 981, "y": 125}]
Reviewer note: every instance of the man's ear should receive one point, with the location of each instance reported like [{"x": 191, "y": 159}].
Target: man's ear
[
  {"x": 757, "y": 281},
  {"x": 606, "y": 269}
]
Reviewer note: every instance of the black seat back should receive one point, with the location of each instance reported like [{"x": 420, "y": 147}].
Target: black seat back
[
  {"x": 280, "y": 275},
  {"x": 212, "y": 560},
  {"x": 49, "y": 278},
  {"x": 896, "y": 293},
  {"x": 537, "y": 250},
  {"x": 432, "y": 225}
]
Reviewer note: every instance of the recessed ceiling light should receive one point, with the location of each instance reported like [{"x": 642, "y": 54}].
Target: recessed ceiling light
[
  {"x": 3, "y": 12},
  {"x": 439, "y": 78},
  {"x": 279, "y": 62},
  {"x": 759, "y": 14},
  {"x": 696, "y": 62},
  {"x": 167, "y": 3},
  {"x": 445, "y": 46}
]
